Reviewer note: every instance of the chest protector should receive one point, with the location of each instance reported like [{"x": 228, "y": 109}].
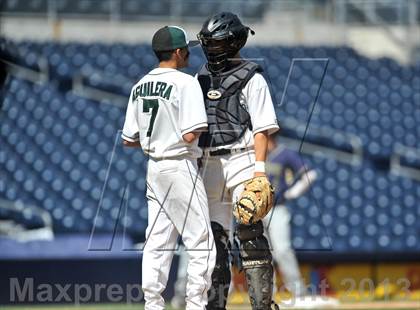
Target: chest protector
[{"x": 227, "y": 118}]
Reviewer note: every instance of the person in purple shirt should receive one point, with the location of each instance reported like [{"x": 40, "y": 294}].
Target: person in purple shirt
[{"x": 291, "y": 179}]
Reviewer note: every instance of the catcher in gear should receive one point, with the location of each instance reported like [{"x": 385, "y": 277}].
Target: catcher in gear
[{"x": 241, "y": 117}]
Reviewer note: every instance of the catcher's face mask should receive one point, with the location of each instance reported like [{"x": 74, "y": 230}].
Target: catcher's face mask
[{"x": 217, "y": 51}]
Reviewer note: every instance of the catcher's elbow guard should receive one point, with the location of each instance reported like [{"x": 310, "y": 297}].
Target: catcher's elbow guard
[{"x": 254, "y": 247}]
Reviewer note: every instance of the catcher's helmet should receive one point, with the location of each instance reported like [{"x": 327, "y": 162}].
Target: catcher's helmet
[{"x": 221, "y": 37}]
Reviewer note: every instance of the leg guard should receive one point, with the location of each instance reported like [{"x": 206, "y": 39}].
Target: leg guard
[
  {"x": 217, "y": 294},
  {"x": 256, "y": 262}
]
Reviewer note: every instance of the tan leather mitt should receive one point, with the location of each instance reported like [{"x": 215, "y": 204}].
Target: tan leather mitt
[{"x": 255, "y": 201}]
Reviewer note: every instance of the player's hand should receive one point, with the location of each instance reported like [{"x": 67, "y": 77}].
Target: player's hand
[{"x": 259, "y": 174}]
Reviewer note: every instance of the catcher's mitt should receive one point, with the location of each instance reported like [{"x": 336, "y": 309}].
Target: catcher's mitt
[{"x": 255, "y": 201}]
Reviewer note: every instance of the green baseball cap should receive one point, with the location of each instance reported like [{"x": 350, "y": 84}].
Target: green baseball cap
[{"x": 169, "y": 38}]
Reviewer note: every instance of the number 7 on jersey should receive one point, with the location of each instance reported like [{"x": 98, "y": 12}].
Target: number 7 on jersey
[{"x": 154, "y": 105}]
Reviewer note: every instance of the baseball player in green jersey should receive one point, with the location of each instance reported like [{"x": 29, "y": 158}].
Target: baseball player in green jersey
[{"x": 165, "y": 115}]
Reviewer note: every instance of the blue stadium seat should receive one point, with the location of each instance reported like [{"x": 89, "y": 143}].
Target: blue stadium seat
[
  {"x": 68, "y": 140},
  {"x": 411, "y": 242}
]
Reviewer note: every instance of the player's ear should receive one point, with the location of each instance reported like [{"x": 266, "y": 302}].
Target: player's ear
[
  {"x": 178, "y": 52},
  {"x": 182, "y": 52}
]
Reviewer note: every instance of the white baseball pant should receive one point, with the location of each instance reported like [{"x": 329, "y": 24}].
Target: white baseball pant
[
  {"x": 177, "y": 204},
  {"x": 223, "y": 177}
]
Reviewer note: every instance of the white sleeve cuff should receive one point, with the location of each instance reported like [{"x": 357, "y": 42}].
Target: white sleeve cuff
[
  {"x": 272, "y": 128},
  {"x": 135, "y": 138},
  {"x": 192, "y": 128}
]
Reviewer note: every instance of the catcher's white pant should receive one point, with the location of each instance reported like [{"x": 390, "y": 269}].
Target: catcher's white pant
[
  {"x": 177, "y": 203},
  {"x": 223, "y": 177},
  {"x": 277, "y": 225}
]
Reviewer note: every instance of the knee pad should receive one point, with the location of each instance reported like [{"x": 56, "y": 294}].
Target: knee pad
[
  {"x": 217, "y": 294},
  {"x": 254, "y": 250},
  {"x": 249, "y": 232}
]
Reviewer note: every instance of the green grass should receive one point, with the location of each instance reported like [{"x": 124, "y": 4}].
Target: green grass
[{"x": 81, "y": 307}]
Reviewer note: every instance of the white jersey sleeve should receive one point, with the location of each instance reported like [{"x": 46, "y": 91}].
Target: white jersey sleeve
[
  {"x": 130, "y": 130},
  {"x": 192, "y": 111},
  {"x": 260, "y": 105}
]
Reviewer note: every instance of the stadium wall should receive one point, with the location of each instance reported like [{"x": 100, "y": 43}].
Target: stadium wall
[{"x": 290, "y": 30}]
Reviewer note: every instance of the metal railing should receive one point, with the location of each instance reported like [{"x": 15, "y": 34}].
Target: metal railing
[
  {"x": 385, "y": 14},
  {"x": 353, "y": 153},
  {"x": 16, "y": 230},
  {"x": 400, "y": 168},
  {"x": 377, "y": 12}
]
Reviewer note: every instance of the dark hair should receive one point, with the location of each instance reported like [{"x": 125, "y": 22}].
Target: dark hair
[{"x": 164, "y": 55}]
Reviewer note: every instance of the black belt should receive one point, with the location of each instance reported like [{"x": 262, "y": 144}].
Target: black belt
[{"x": 222, "y": 152}]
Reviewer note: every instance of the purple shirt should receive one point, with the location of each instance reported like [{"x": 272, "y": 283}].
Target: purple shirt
[{"x": 285, "y": 168}]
